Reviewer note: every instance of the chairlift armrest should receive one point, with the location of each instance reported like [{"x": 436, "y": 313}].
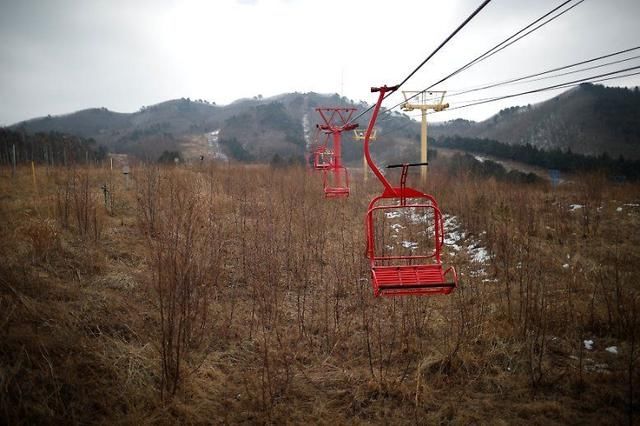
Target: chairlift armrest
[
  {"x": 395, "y": 166},
  {"x": 452, "y": 270}
]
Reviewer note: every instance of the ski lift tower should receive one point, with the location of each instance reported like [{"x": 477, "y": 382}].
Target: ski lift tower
[
  {"x": 424, "y": 101},
  {"x": 336, "y": 120}
]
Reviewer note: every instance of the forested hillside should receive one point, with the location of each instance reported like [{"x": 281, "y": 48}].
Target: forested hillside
[
  {"x": 590, "y": 119},
  {"x": 251, "y": 129},
  {"x": 51, "y": 148}
]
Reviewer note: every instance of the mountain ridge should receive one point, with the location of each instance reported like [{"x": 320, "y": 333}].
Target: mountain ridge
[
  {"x": 588, "y": 119},
  {"x": 248, "y": 129}
]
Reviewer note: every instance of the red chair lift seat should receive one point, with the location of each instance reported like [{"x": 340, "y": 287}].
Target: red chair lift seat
[
  {"x": 404, "y": 274},
  {"x": 411, "y": 279},
  {"x": 405, "y": 278},
  {"x": 336, "y": 182},
  {"x": 322, "y": 159}
]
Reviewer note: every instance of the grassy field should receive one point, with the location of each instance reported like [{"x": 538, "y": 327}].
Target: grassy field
[{"x": 238, "y": 294}]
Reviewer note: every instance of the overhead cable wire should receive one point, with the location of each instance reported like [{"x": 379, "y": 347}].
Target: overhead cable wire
[
  {"x": 522, "y": 36},
  {"x": 462, "y": 25},
  {"x": 593, "y": 79},
  {"x": 465, "y": 22},
  {"x": 492, "y": 97},
  {"x": 502, "y": 45},
  {"x": 527, "y": 77}
]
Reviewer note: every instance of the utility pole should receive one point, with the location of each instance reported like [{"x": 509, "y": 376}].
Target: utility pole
[
  {"x": 424, "y": 101},
  {"x": 13, "y": 161}
]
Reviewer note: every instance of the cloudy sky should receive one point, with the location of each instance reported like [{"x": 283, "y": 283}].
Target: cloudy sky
[{"x": 60, "y": 56}]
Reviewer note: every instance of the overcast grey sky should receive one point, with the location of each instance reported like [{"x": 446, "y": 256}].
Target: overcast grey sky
[{"x": 59, "y": 56}]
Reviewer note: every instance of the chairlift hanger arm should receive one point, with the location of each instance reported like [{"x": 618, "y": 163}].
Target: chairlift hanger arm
[{"x": 382, "y": 92}]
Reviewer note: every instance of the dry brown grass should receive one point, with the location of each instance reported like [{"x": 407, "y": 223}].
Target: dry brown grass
[{"x": 288, "y": 330}]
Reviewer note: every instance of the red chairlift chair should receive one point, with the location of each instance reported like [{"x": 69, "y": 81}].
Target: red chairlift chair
[
  {"x": 322, "y": 158},
  {"x": 394, "y": 275},
  {"x": 336, "y": 182}
]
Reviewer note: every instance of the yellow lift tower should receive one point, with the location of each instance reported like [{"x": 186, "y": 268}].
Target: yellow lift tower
[
  {"x": 359, "y": 136},
  {"x": 424, "y": 101}
]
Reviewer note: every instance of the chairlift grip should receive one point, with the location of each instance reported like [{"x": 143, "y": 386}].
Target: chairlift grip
[{"x": 388, "y": 89}]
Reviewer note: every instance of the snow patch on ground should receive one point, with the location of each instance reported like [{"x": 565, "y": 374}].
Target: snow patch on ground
[
  {"x": 410, "y": 245},
  {"x": 612, "y": 350},
  {"x": 479, "y": 255},
  {"x": 588, "y": 344},
  {"x": 213, "y": 139},
  {"x": 457, "y": 239},
  {"x": 454, "y": 238},
  {"x": 574, "y": 207},
  {"x": 397, "y": 227},
  {"x": 478, "y": 273},
  {"x": 452, "y": 234},
  {"x": 306, "y": 129}
]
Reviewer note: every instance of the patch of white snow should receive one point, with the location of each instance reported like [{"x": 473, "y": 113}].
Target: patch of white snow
[
  {"x": 479, "y": 255},
  {"x": 396, "y": 227},
  {"x": 410, "y": 245}
]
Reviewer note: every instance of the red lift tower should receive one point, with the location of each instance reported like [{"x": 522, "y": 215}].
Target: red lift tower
[{"x": 336, "y": 177}]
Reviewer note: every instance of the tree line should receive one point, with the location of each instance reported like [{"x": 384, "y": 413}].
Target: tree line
[
  {"x": 565, "y": 161},
  {"x": 53, "y": 148}
]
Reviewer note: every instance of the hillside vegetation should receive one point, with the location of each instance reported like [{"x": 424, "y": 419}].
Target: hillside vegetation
[
  {"x": 239, "y": 294},
  {"x": 48, "y": 148},
  {"x": 554, "y": 159},
  {"x": 254, "y": 130},
  {"x": 590, "y": 119}
]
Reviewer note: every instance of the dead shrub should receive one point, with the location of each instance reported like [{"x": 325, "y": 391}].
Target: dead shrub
[
  {"x": 186, "y": 244},
  {"x": 44, "y": 238},
  {"x": 77, "y": 204}
]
